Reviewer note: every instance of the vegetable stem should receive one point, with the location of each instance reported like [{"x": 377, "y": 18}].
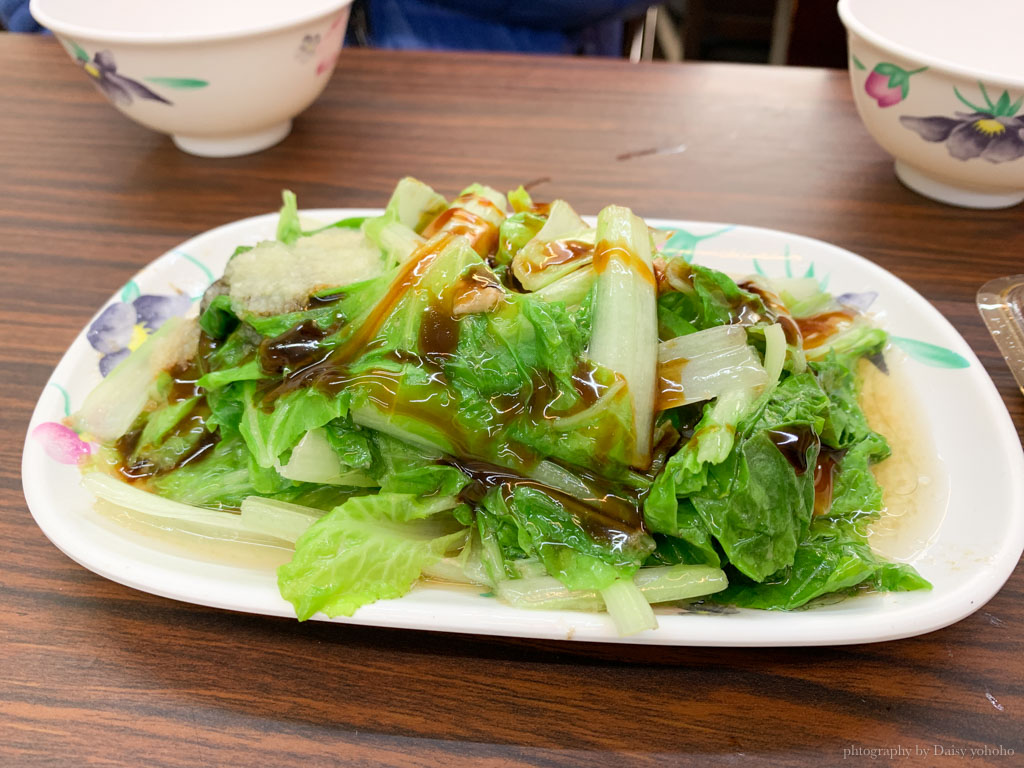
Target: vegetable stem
[{"x": 625, "y": 325}]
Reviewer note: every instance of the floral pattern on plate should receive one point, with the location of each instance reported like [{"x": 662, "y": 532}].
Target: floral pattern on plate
[{"x": 125, "y": 324}]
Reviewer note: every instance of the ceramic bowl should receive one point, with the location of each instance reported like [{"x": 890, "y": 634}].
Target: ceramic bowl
[
  {"x": 940, "y": 86},
  {"x": 222, "y": 77}
]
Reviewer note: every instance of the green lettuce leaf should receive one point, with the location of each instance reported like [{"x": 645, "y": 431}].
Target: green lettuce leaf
[
  {"x": 854, "y": 488},
  {"x": 288, "y": 227},
  {"x": 219, "y": 318},
  {"x": 515, "y": 232},
  {"x": 370, "y": 548},
  {"x": 714, "y": 300},
  {"x": 269, "y": 434},
  {"x": 531, "y": 523},
  {"x": 765, "y": 509},
  {"x": 835, "y": 557}
]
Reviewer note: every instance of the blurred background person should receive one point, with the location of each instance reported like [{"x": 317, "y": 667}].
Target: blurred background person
[
  {"x": 587, "y": 27},
  {"x": 14, "y": 16}
]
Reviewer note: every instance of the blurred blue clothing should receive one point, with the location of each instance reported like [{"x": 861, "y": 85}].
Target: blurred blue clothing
[
  {"x": 591, "y": 27},
  {"x": 15, "y": 16}
]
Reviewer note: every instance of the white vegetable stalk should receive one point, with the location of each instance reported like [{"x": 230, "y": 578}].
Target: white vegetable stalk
[
  {"x": 571, "y": 289},
  {"x": 485, "y": 209},
  {"x": 111, "y": 408},
  {"x": 369, "y": 416},
  {"x": 314, "y": 461},
  {"x": 397, "y": 243},
  {"x": 536, "y": 264},
  {"x": 448, "y": 569},
  {"x": 173, "y": 515},
  {"x": 706, "y": 364},
  {"x": 802, "y": 296},
  {"x": 415, "y": 204},
  {"x": 412, "y": 206},
  {"x": 774, "y": 352},
  {"x": 716, "y": 439},
  {"x": 278, "y": 518},
  {"x": 628, "y": 608},
  {"x": 661, "y": 584},
  {"x": 625, "y": 325}
]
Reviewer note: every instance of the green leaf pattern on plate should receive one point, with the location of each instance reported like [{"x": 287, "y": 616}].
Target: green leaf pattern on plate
[
  {"x": 684, "y": 244},
  {"x": 930, "y": 354},
  {"x": 130, "y": 292}
]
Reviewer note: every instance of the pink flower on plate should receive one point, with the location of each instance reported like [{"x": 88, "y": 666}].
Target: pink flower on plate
[{"x": 61, "y": 443}]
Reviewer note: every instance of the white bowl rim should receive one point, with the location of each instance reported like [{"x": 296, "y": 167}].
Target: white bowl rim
[
  {"x": 55, "y": 25},
  {"x": 853, "y": 24}
]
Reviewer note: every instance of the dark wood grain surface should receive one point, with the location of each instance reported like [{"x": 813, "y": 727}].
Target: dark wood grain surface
[{"x": 92, "y": 673}]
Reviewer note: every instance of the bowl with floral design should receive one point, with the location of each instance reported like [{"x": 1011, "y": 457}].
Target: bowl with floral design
[
  {"x": 939, "y": 84},
  {"x": 223, "y": 78}
]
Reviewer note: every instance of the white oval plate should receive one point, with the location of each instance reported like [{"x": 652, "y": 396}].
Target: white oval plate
[{"x": 972, "y": 554}]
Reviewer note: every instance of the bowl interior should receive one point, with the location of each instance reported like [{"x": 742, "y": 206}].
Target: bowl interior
[
  {"x": 158, "y": 20},
  {"x": 981, "y": 35}
]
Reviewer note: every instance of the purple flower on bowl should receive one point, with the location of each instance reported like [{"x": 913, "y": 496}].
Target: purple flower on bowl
[
  {"x": 889, "y": 84},
  {"x": 61, "y": 443},
  {"x": 118, "y": 88},
  {"x": 125, "y": 324},
  {"x": 992, "y": 132}
]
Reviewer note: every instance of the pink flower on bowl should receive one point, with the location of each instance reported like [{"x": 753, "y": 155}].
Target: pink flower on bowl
[
  {"x": 889, "y": 84},
  {"x": 329, "y": 47}
]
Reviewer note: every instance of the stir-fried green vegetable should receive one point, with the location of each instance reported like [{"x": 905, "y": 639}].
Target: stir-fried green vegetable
[{"x": 492, "y": 391}]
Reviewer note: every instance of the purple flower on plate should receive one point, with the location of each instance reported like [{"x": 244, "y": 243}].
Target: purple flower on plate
[
  {"x": 992, "y": 132},
  {"x": 860, "y": 301},
  {"x": 118, "y": 88},
  {"x": 125, "y": 324},
  {"x": 61, "y": 443}
]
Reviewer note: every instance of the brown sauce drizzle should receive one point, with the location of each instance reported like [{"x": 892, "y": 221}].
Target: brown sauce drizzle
[
  {"x": 670, "y": 392},
  {"x": 296, "y": 348},
  {"x": 584, "y": 381},
  {"x": 555, "y": 253},
  {"x": 476, "y": 290},
  {"x": 409, "y": 276},
  {"x": 439, "y": 331},
  {"x": 818, "y": 329},
  {"x": 126, "y": 467},
  {"x": 327, "y": 298},
  {"x": 207, "y": 346},
  {"x": 605, "y": 252},
  {"x": 482, "y": 234},
  {"x": 606, "y": 516},
  {"x": 297, "y": 358},
  {"x": 206, "y": 443},
  {"x": 793, "y": 443},
  {"x": 183, "y": 382},
  {"x": 565, "y": 251},
  {"x": 774, "y": 304},
  {"x": 183, "y": 387},
  {"x": 824, "y": 476}
]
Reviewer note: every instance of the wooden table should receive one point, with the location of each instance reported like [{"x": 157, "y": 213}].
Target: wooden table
[{"x": 95, "y": 673}]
